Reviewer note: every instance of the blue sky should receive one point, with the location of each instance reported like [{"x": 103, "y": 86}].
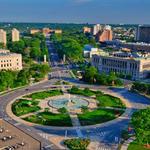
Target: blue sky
[{"x": 77, "y": 11}]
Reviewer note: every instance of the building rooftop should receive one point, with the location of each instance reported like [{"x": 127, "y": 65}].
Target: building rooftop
[
  {"x": 125, "y": 55},
  {"x": 88, "y": 47},
  {"x": 7, "y": 53}
]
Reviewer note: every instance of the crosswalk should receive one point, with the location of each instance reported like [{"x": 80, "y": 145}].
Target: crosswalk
[
  {"x": 45, "y": 135},
  {"x": 103, "y": 148}
]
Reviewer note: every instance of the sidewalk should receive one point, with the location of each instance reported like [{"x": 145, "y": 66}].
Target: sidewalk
[{"x": 127, "y": 143}]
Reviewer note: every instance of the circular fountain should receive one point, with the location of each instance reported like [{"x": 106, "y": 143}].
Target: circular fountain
[{"x": 71, "y": 102}]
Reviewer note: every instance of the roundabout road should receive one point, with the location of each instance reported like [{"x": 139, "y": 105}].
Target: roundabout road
[{"x": 108, "y": 133}]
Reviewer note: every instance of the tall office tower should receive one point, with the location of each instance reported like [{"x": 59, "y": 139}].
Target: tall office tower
[
  {"x": 3, "y": 38},
  {"x": 106, "y": 35},
  {"x": 15, "y": 35},
  {"x": 96, "y": 29},
  {"x": 143, "y": 34}
]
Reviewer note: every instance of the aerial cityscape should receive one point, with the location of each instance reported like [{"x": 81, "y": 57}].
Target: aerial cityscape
[{"x": 74, "y": 75}]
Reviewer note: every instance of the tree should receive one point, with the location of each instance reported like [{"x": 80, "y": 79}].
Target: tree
[
  {"x": 90, "y": 74},
  {"x": 7, "y": 79},
  {"x": 62, "y": 110},
  {"x": 2, "y": 45},
  {"x": 141, "y": 87},
  {"x": 17, "y": 47},
  {"x": 111, "y": 78},
  {"x": 101, "y": 79},
  {"x": 141, "y": 122},
  {"x": 23, "y": 78}
]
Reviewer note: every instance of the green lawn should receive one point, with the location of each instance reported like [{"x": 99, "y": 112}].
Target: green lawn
[
  {"x": 135, "y": 146},
  {"x": 51, "y": 119},
  {"x": 44, "y": 94},
  {"x": 98, "y": 116},
  {"x": 22, "y": 107},
  {"x": 110, "y": 101},
  {"x": 84, "y": 92}
]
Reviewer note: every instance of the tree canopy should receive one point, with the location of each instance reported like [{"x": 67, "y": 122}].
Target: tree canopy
[{"x": 141, "y": 123}]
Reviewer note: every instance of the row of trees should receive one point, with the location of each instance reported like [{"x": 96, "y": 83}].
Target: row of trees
[
  {"x": 33, "y": 47},
  {"x": 71, "y": 43},
  {"x": 12, "y": 79},
  {"x": 91, "y": 75},
  {"x": 141, "y": 87}
]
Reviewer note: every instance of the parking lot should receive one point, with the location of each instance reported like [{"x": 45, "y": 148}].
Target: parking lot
[{"x": 12, "y": 138}]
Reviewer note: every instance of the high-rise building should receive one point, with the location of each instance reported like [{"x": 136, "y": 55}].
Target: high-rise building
[
  {"x": 3, "y": 38},
  {"x": 106, "y": 35},
  {"x": 143, "y": 34},
  {"x": 96, "y": 29},
  {"x": 15, "y": 35}
]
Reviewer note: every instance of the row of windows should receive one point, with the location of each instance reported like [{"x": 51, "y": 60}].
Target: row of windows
[
  {"x": 116, "y": 63},
  {"x": 146, "y": 66},
  {"x": 8, "y": 60},
  {"x": 7, "y": 65},
  {"x": 133, "y": 73}
]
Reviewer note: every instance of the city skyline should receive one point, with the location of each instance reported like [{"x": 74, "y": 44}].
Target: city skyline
[{"x": 76, "y": 11}]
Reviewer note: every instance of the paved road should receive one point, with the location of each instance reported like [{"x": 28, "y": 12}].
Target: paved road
[{"x": 108, "y": 134}]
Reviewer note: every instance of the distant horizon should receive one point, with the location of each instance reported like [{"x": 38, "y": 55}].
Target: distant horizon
[{"x": 78, "y": 23}]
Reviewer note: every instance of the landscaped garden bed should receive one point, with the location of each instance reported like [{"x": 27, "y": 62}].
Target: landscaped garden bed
[
  {"x": 51, "y": 119},
  {"x": 77, "y": 144},
  {"x": 22, "y": 106},
  {"x": 44, "y": 94},
  {"x": 98, "y": 116},
  {"x": 78, "y": 91},
  {"x": 109, "y": 101}
]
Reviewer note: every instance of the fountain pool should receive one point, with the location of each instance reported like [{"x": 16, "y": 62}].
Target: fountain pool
[{"x": 69, "y": 102}]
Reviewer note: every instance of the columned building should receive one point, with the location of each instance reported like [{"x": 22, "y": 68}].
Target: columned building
[{"x": 136, "y": 65}]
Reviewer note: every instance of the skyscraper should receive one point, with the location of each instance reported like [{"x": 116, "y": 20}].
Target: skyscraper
[
  {"x": 106, "y": 35},
  {"x": 15, "y": 35},
  {"x": 3, "y": 38},
  {"x": 96, "y": 29}
]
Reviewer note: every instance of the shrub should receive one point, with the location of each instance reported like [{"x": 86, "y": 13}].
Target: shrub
[
  {"x": 77, "y": 144},
  {"x": 62, "y": 110}
]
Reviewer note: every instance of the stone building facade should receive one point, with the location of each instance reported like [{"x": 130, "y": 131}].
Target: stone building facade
[
  {"x": 10, "y": 61},
  {"x": 124, "y": 63}
]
